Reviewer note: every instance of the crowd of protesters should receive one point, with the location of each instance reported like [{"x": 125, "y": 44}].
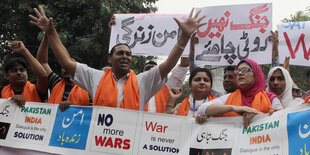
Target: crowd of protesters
[{"x": 248, "y": 92}]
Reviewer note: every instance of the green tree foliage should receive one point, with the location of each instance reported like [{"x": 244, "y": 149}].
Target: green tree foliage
[
  {"x": 81, "y": 25},
  {"x": 298, "y": 73}
]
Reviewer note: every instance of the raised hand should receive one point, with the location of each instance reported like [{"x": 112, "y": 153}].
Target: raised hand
[
  {"x": 175, "y": 93},
  {"x": 286, "y": 63},
  {"x": 191, "y": 24},
  {"x": 111, "y": 22},
  {"x": 274, "y": 38},
  {"x": 18, "y": 47},
  {"x": 41, "y": 21}
]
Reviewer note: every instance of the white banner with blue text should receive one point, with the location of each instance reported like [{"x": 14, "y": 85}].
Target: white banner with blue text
[{"x": 294, "y": 42}]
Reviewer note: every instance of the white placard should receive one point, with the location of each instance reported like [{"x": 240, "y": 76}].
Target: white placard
[
  {"x": 294, "y": 41},
  {"x": 147, "y": 34},
  {"x": 234, "y": 32}
]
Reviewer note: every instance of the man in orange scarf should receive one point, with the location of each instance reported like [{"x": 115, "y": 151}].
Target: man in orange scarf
[
  {"x": 20, "y": 89},
  {"x": 63, "y": 91},
  {"x": 119, "y": 86}
]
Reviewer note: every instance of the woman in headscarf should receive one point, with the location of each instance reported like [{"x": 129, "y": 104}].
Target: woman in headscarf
[
  {"x": 280, "y": 82},
  {"x": 249, "y": 99},
  {"x": 200, "y": 83}
]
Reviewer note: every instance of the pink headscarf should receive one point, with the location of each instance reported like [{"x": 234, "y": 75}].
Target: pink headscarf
[{"x": 259, "y": 84}]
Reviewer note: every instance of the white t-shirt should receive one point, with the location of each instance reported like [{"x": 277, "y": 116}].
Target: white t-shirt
[
  {"x": 276, "y": 103},
  {"x": 149, "y": 82},
  {"x": 175, "y": 80}
]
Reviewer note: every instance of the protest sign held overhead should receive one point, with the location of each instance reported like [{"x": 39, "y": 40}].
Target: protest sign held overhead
[
  {"x": 147, "y": 34},
  {"x": 294, "y": 41},
  {"x": 233, "y": 33}
]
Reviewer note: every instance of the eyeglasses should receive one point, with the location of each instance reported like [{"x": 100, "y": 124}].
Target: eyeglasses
[{"x": 243, "y": 70}]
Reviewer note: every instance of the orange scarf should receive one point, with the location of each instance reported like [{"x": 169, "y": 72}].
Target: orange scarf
[
  {"x": 77, "y": 96},
  {"x": 184, "y": 107},
  {"x": 261, "y": 102},
  {"x": 30, "y": 92},
  {"x": 107, "y": 92},
  {"x": 306, "y": 100},
  {"x": 161, "y": 99}
]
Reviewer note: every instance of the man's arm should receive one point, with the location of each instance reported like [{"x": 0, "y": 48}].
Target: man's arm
[
  {"x": 188, "y": 27},
  {"x": 36, "y": 67},
  {"x": 42, "y": 54},
  {"x": 61, "y": 53}
]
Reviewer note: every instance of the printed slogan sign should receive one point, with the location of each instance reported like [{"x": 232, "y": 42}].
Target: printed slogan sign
[
  {"x": 147, "y": 34},
  {"x": 103, "y": 130},
  {"x": 160, "y": 135},
  {"x": 294, "y": 42},
  {"x": 71, "y": 128},
  {"x": 298, "y": 132},
  {"x": 32, "y": 123},
  {"x": 111, "y": 133},
  {"x": 261, "y": 138},
  {"x": 233, "y": 33}
]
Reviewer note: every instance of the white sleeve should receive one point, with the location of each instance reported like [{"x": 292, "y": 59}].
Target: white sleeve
[
  {"x": 276, "y": 103},
  {"x": 150, "y": 83},
  {"x": 87, "y": 78},
  {"x": 177, "y": 77},
  {"x": 221, "y": 100}
]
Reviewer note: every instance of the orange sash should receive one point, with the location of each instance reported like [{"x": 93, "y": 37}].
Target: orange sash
[
  {"x": 261, "y": 102},
  {"x": 77, "y": 96},
  {"x": 184, "y": 107},
  {"x": 107, "y": 92},
  {"x": 30, "y": 92},
  {"x": 306, "y": 100},
  {"x": 161, "y": 99}
]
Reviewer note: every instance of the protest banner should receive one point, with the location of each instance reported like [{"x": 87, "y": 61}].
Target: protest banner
[
  {"x": 234, "y": 32},
  {"x": 104, "y": 130},
  {"x": 147, "y": 34},
  {"x": 294, "y": 41}
]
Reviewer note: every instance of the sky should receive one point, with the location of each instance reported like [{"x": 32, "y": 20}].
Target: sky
[{"x": 281, "y": 8}]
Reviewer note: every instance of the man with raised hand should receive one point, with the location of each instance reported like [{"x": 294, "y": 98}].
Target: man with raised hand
[
  {"x": 20, "y": 89},
  {"x": 119, "y": 86},
  {"x": 63, "y": 91}
]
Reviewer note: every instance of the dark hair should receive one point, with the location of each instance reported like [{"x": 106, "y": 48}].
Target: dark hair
[
  {"x": 14, "y": 62},
  {"x": 77, "y": 58},
  {"x": 113, "y": 48},
  {"x": 229, "y": 68},
  {"x": 243, "y": 61},
  {"x": 197, "y": 70},
  {"x": 308, "y": 73},
  {"x": 150, "y": 62}
]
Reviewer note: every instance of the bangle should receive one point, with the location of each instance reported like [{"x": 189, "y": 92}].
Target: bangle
[{"x": 179, "y": 46}]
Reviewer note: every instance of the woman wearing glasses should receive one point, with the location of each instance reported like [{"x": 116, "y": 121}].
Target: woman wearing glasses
[{"x": 248, "y": 100}]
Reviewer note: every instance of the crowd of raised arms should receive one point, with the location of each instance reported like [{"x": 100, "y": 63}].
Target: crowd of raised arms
[{"x": 248, "y": 92}]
